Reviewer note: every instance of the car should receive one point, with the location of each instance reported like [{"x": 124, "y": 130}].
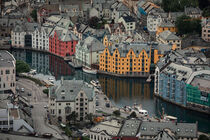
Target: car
[
  {"x": 22, "y": 89},
  {"x": 31, "y": 106},
  {"x": 29, "y": 94},
  {"x": 47, "y": 135},
  {"x": 107, "y": 105},
  {"x": 46, "y": 106}
]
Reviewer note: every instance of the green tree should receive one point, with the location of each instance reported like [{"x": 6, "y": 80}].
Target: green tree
[
  {"x": 116, "y": 113},
  {"x": 45, "y": 91},
  {"x": 34, "y": 14},
  {"x": 133, "y": 115},
  {"x": 21, "y": 67},
  {"x": 203, "y": 137},
  {"x": 72, "y": 117},
  {"x": 89, "y": 117},
  {"x": 93, "y": 22},
  {"x": 206, "y": 12},
  {"x": 187, "y": 25}
]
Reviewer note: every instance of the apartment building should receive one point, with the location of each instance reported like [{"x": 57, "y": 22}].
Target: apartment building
[
  {"x": 128, "y": 22},
  {"x": 69, "y": 96},
  {"x": 206, "y": 32},
  {"x": 7, "y": 73}
]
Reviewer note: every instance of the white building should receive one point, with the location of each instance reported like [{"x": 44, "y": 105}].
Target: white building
[
  {"x": 7, "y": 72},
  {"x": 153, "y": 21},
  {"x": 105, "y": 130},
  {"x": 88, "y": 51},
  {"x": 69, "y": 96},
  {"x": 128, "y": 22}
]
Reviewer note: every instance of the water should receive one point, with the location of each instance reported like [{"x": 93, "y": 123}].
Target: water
[{"x": 121, "y": 91}]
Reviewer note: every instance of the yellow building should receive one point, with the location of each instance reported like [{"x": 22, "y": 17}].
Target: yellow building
[
  {"x": 166, "y": 25},
  {"x": 131, "y": 59}
]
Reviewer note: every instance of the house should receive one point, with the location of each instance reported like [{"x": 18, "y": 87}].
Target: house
[
  {"x": 167, "y": 37},
  {"x": 179, "y": 73},
  {"x": 94, "y": 13},
  {"x": 88, "y": 50},
  {"x": 82, "y": 31},
  {"x": 206, "y": 32},
  {"x": 193, "y": 12},
  {"x": 128, "y": 22},
  {"x": 166, "y": 25},
  {"x": 8, "y": 73},
  {"x": 71, "y": 96},
  {"x": 131, "y": 58},
  {"x": 62, "y": 42},
  {"x": 115, "y": 29},
  {"x": 105, "y": 130},
  {"x": 6, "y": 25}
]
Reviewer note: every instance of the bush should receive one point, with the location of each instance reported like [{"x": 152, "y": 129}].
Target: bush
[
  {"x": 22, "y": 67},
  {"x": 116, "y": 113},
  {"x": 34, "y": 15},
  {"x": 46, "y": 91},
  {"x": 203, "y": 137},
  {"x": 68, "y": 131}
]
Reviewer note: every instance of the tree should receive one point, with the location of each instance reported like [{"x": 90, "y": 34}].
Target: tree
[
  {"x": 203, "y": 4},
  {"x": 34, "y": 14},
  {"x": 133, "y": 115},
  {"x": 89, "y": 117},
  {"x": 206, "y": 12},
  {"x": 116, "y": 113},
  {"x": 187, "y": 25},
  {"x": 72, "y": 117},
  {"x": 45, "y": 91},
  {"x": 203, "y": 137},
  {"x": 93, "y": 22},
  {"x": 21, "y": 67}
]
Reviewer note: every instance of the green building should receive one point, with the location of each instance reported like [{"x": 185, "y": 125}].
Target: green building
[{"x": 194, "y": 95}]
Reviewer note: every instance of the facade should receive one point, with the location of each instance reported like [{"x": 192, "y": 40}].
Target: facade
[
  {"x": 105, "y": 130},
  {"x": 167, "y": 37},
  {"x": 206, "y": 32},
  {"x": 88, "y": 51},
  {"x": 69, "y": 96},
  {"x": 62, "y": 42},
  {"x": 131, "y": 58},
  {"x": 7, "y": 73},
  {"x": 178, "y": 78},
  {"x": 128, "y": 22}
]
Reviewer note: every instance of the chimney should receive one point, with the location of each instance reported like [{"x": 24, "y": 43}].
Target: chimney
[{"x": 62, "y": 80}]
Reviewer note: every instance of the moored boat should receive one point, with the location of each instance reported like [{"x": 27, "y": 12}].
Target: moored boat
[{"x": 89, "y": 70}]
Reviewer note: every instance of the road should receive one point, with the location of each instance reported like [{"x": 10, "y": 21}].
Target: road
[{"x": 38, "y": 100}]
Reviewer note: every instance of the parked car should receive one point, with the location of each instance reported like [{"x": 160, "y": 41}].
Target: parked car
[
  {"x": 47, "y": 135},
  {"x": 22, "y": 89},
  {"x": 29, "y": 94}
]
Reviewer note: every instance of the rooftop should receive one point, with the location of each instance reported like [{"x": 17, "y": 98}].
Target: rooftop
[
  {"x": 6, "y": 59},
  {"x": 167, "y": 35},
  {"x": 128, "y": 18}
]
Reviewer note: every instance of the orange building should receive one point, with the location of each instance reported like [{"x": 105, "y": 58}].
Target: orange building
[{"x": 166, "y": 25}]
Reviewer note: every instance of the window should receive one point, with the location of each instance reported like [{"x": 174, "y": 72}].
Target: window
[
  {"x": 59, "y": 111},
  {"x": 7, "y": 72},
  {"x": 59, "y": 104}
]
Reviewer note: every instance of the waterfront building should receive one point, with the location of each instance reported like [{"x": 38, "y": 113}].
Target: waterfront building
[
  {"x": 21, "y": 35},
  {"x": 168, "y": 37},
  {"x": 206, "y": 32},
  {"x": 176, "y": 79},
  {"x": 7, "y": 73},
  {"x": 62, "y": 42},
  {"x": 128, "y": 22},
  {"x": 105, "y": 130},
  {"x": 131, "y": 58},
  {"x": 88, "y": 51},
  {"x": 70, "y": 96}
]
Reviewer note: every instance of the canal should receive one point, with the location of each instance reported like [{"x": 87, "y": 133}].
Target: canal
[{"x": 121, "y": 91}]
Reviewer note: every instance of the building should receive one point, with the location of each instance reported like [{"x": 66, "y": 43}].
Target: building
[
  {"x": 62, "y": 42},
  {"x": 82, "y": 31},
  {"x": 105, "y": 130},
  {"x": 165, "y": 134},
  {"x": 167, "y": 37},
  {"x": 193, "y": 12},
  {"x": 131, "y": 59},
  {"x": 166, "y": 25},
  {"x": 206, "y": 32},
  {"x": 115, "y": 29},
  {"x": 69, "y": 96},
  {"x": 178, "y": 78},
  {"x": 21, "y": 35},
  {"x": 88, "y": 51},
  {"x": 6, "y": 25},
  {"x": 8, "y": 74},
  {"x": 128, "y": 22}
]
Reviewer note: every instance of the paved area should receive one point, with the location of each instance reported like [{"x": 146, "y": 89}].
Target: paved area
[{"x": 38, "y": 100}]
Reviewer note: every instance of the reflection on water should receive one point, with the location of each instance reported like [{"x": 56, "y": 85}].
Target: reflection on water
[{"x": 121, "y": 91}]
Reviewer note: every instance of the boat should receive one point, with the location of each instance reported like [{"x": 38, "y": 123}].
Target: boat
[
  {"x": 89, "y": 70},
  {"x": 170, "y": 118},
  {"x": 138, "y": 109}
]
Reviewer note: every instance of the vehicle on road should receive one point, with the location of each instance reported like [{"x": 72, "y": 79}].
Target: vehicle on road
[
  {"x": 46, "y": 106},
  {"x": 84, "y": 134},
  {"x": 22, "y": 90},
  {"x": 31, "y": 106},
  {"x": 47, "y": 135},
  {"x": 108, "y": 105},
  {"x": 29, "y": 94}
]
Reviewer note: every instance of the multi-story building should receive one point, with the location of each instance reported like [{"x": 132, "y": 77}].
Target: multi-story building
[
  {"x": 7, "y": 73},
  {"x": 105, "y": 130},
  {"x": 88, "y": 51},
  {"x": 70, "y": 96},
  {"x": 206, "y": 32},
  {"x": 131, "y": 58},
  {"x": 166, "y": 25},
  {"x": 128, "y": 22},
  {"x": 178, "y": 74},
  {"x": 62, "y": 42},
  {"x": 193, "y": 12},
  {"x": 115, "y": 29},
  {"x": 168, "y": 37}
]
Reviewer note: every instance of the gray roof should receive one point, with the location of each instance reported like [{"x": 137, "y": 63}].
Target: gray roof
[
  {"x": 166, "y": 23},
  {"x": 6, "y": 59},
  {"x": 192, "y": 10},
  {"x": 181, "y": 129},
  {"x": 69, "y": 90},
  {"x": 128, "y": 18},
  {"x": 92, "y": 44},
  {"x": 26, "y": 27},
  {"x": 130, "y": 127},
  {"x": 167, "y": 35}
]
